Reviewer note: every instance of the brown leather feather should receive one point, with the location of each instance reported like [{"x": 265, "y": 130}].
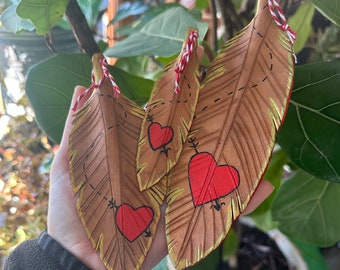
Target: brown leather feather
[
  {"x": 167, "y": 121},
  {"x": 120, "y": 219},
  {"x": 241, "y": 105}
]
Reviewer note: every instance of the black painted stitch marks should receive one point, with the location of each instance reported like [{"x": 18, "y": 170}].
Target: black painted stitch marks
[
  {"x": 250, "y": 85},
  {"x": 121, "y": 120}
]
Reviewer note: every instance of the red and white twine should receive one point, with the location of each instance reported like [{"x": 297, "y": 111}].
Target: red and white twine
[
  {"x": 188, "y": 49},
  {"x": 106, "y": 74},
  {"x": 280, "y": 19}
]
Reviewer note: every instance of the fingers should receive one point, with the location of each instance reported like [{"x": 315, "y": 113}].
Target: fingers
[{"x": 262, "y": 192}]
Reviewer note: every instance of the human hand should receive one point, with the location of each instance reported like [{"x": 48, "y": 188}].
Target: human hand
[{"x": 64, "y": 224}]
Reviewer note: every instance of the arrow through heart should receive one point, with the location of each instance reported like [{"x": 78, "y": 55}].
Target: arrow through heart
[
  {"x": 159, "y": 136},
  {"x": 133, "y": 222},
  {"x": 209, "y": 181}
]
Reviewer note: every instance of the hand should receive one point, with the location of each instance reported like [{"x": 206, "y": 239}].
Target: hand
[{"x": 63, "y": 221}]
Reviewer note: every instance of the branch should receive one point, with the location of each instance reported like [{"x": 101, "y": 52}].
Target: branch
[
  {"x": 81, "y": 29},
  {"x": 214, "y": 24}
]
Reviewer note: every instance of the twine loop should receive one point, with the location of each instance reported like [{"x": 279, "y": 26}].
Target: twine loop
[
  {"x": 185, "y": 58},
  {"x": 106, "y": 74},
  {"x": 280, "y": 19}
]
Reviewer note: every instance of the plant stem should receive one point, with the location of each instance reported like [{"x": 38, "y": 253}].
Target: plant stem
[
  {"x": 214, "y": 24},
  {"x": 81, "y": 29}
]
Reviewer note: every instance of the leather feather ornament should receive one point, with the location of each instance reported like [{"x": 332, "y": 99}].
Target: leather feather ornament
[
  {"x": 169, "y": 115},
  {"x": 241, "y": 105},
  {"x": 120, "y": 219}
]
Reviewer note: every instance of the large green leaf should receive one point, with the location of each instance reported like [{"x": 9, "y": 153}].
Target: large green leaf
[
  {"x": 50, "y": 85},
  {"x": 43, "y": 13},
  {"x": 310, "y": 135},
  {"x": 301, "y": 22},
  {"x": 150, "y": 14},
  {"x": 135, "y": 88},
  {"x": 329, "y": 8},
  {"x": 306, "y": 208},
  {"x": 162, "y": 36}
]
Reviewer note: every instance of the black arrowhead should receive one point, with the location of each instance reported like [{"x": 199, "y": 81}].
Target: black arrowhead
[
  {"x": 147, "y": 233},
  {"x": 217, "y": 205}
]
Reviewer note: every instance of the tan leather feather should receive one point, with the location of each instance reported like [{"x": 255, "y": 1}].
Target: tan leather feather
[
  {"x": 119, "y": 219},
  {"x": 168, "y": 120},
  {"x": 241, "y": 105}
]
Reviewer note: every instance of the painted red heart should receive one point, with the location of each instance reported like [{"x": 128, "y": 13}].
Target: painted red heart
[
  {"x": 133, "y": 222},
  {"x": 208, "y": 181},
  {"x": 159, "y": 136}
]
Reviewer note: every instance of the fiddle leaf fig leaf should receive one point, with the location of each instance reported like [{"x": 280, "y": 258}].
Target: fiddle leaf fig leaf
[
  {"x": 305, "y": 208},
  {"x": 43, "y": 13},
  {"x": 50, "y": 85},
  {"x": 310, "y": 134},
  {"x": 162, "y": 36}
]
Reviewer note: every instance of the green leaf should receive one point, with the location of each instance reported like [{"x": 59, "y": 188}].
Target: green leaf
[
  {"x": 149, "y": 15},
  {"x": 43, "y": 13},
  {"x": 50, "y": 85},
  {"x": 129, "y": 9},
  {"x": 310, "y": 134},
  {"x": 141, "y": 66},
  {"x": 329, "y": 8},
  {"x": 301, "y": 22},
  {"x": 135, "y": 88},
  {"x": 162, "y": 36},
  {"x": 13, "y": 23},
  {"x": 306, "y": 209},
  {"x": 312, "y": 256}
]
